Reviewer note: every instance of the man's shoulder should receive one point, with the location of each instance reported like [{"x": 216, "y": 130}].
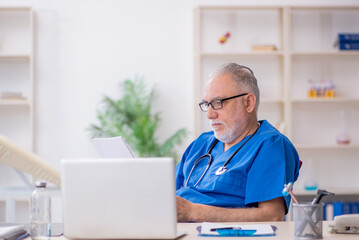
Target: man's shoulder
[
  {"x": 268, "y": 131},
  {"x": 268, "y": 128}
]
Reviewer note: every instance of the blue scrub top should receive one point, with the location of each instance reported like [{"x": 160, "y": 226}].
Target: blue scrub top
[{"x": 255, "y": 174}]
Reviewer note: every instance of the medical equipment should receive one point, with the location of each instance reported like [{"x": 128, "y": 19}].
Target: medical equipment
[
  {"x": 347, "y": 223},
  {"x": 307, "y": 214},
  {"x": 288, "y": 189},
  {"x": 220, "y": 170}
]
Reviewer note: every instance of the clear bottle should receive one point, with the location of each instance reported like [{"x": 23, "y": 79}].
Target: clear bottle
[
  {"x": 310, "y": 184},
  {"x": 40, "y": 216},
  {"x": 343, "y": 137}
]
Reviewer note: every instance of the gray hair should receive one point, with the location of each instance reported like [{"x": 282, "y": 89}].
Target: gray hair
[{"x": 243, "y": 77}]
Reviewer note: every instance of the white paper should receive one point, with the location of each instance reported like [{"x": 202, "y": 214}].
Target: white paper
[
  {"x": 115, "y": 147},
  {"x": 261, "y": 229}
]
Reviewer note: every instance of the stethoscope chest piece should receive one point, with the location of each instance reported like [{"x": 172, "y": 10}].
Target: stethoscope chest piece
[{"x": 221, "y": 170}]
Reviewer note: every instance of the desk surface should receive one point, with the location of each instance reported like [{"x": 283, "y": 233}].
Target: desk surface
[{"x": 285, "y": 231}]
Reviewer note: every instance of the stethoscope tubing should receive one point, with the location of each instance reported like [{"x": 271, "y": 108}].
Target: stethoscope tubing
[
  {"x": 195, "y": 163},
  {"x": 223, "y": 168},
  {"x": 208, "y": 154}
]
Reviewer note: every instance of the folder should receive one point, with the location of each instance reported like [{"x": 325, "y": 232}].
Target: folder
[
  {"x": 349, "y": 45},
  {"x": 348, "y": 37},
  {"x": 338, "y": 208},
  {"x": 235, "y": 230}
]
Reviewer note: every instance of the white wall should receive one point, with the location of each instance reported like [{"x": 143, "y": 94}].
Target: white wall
[{"x": 84, "y": 49}]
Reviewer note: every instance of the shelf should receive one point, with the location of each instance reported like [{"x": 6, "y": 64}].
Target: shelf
[
  {"x": 22, "y": 193},
  {"x": 337, "y": 191},
  {"x": 24, "y": 102},
  {"x": 15, "y": 56},
  {"x": 325, "y": 8},
  {"x": 16, "y": 8},
  {"x": 328, "y": 53},
  {"x": 246, "y": 54},
  {"x": 326, "y": 100},
  {"x": 271, "y": 100},
  {"x": 231, "y": 8},
  {"x": 326, "y": 146}
]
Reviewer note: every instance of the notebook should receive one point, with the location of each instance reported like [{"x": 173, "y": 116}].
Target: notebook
[{"x": 128, "y": 198}]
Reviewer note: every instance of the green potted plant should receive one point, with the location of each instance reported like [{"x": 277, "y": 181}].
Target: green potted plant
[{"x": 131, "y": 116}]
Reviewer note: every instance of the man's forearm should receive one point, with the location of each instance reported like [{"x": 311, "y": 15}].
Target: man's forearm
[{"x": 272, "y": 210}]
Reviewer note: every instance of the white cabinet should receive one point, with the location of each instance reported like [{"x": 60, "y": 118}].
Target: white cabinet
[
  {"x": 16, "y": 76},
  {"x": 304, "y": 38}
]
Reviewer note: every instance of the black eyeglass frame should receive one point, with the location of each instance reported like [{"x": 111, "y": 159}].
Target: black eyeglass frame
[{"x": 220, "y": 101}]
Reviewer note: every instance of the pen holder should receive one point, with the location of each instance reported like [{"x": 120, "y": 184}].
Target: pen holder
[{"x": 308, "y": 220}]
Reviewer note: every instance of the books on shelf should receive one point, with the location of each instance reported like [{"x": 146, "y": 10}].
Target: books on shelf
[
  {"x": 264, "y": 48},
  {"x": 348, "y": 37},
  {"x": 15, "y": 232},
  {"x": 348, "y": 41},
  {"x": 332, "y": 209},
  {"x": 11, "y": 96},
  {"x": 349, "y": 46}
]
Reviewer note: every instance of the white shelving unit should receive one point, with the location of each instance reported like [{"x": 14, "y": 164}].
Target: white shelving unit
[
  {"x": 315, "y": 123},
  {"x": 304, "y": 37},
  {"x": 16, "y": 115},
  {"x": 213, "y": 22},
  {"x": 16, "y": 74}
]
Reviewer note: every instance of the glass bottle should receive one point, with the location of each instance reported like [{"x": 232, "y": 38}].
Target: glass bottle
[
  {"x": 343, "y": 137},
  {"x": 40, "y": 215},
  {"x": 310, "y": 184}
]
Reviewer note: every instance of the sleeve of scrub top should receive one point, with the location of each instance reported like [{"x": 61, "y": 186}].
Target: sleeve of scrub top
[
  {"x": 274, "y": 165},
  {"x": 179, "y": 168},
  {"x": 179, "y": 175}
]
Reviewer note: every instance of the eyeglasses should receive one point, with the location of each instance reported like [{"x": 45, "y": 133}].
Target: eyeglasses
[{"x": 216, "y": 103}]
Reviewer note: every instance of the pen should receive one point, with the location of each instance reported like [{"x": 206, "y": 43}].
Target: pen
[
  {"x": 225, "y": 228},
  {"x": 288, "y": 190}
]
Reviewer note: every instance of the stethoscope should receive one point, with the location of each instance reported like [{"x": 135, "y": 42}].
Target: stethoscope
[{"x": 221, "y": 169}]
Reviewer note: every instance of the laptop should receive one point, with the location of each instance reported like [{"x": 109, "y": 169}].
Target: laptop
[{"x": 123, "y": 198}]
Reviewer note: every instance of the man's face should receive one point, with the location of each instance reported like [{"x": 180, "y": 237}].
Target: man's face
[{"x": 227, "y": 122}]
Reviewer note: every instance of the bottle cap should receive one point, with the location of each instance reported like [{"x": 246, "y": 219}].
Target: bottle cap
[{"x": 40, "y": 184}]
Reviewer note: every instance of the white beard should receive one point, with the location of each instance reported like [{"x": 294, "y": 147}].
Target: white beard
[{"x": 227, "y": 136}]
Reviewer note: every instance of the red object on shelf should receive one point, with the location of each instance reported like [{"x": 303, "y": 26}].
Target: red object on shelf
[{"x": 224, "y": 37}]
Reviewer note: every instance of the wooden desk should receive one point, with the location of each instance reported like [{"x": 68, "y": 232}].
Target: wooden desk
[{"x": 285, "y": 231}]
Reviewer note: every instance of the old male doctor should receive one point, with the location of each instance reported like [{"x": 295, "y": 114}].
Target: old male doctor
[{"x": 237, "y": 171}]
